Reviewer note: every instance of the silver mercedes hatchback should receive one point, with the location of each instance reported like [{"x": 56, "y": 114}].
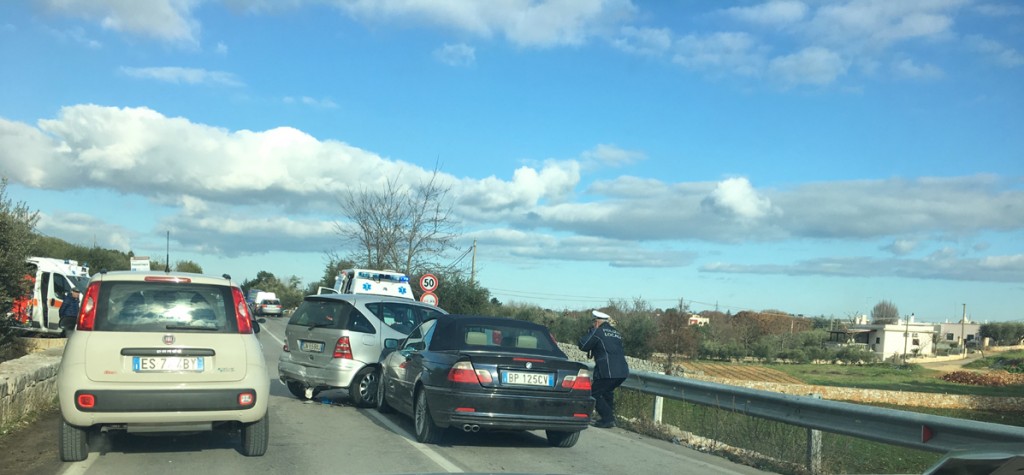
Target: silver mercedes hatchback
[{"x": 334, "y": 341}]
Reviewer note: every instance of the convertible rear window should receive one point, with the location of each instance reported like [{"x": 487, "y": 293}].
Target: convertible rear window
[{"x": 494, "y": 334}]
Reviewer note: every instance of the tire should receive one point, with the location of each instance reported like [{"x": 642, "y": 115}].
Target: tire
[
  {"x": 557, "y": 438},
  {"x": 426, "y": 431},
  {"x": 363, "y": 389},
  {"x": 297, "y": 389},
  {"x": 382, "y": 403},
  {"x": 256, "y": 437},
  {"x": 73, "y": 443}
]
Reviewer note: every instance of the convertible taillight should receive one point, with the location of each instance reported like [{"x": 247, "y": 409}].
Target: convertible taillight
[
  {"x": 579, "y": 382},
  {"x": 463, "y": 372}
]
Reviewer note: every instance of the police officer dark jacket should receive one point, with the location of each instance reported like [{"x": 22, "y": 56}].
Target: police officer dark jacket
[{"x": 604, "y": 343}]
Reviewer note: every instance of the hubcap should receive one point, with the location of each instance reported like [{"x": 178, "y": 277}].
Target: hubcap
[
  {"x": 421, "y": 411},
  {"x": 367, "y": 387}
]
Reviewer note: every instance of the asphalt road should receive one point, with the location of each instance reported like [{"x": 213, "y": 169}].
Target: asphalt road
[{"x": 315, "y": 437}]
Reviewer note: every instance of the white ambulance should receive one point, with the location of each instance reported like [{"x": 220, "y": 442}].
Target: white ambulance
[
  {"x": 52, "y": 280},
  {"x": 376, "y": 282}
]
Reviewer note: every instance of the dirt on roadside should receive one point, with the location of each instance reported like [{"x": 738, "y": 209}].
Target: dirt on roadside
[{"x": 30, "y": 448}]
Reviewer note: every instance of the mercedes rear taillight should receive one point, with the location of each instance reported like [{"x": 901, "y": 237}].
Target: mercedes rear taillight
[
  {"x": 241, "y": 311},
  {"x": 343, "y": 349},
  {"x": 87, "y": 314}
]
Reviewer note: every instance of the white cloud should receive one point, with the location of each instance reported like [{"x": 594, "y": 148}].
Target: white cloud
[
  {"x": 492, "y": 198},
  {"x": 221, "y": 48},
  {"x": 611, "y": 156},
  {"x": 735, "y": 52},
  {"x": 774, "y": 12},
  {"x": 901, "y": 247},
  {"x": 177, "y": 75},
  {"x": 1000, "y": 53},
  {"x": 880, "y": 23},
  {"x": 814, "y": 65},
  {"x": 77, "y": 35},
  {"x": 456, "y": 55},
  {"x": 643, "y": 41},
  {"x": 540, "y": 23},
  {"x": 168, "y": 20},
  {"x": 324, "y": 103},
  {"x": 737, "y": 197},
  {"x": 224, "y": 184},
  {"x": 81, "y": 228},
  {"x": 908, "y": 68},
  {"x": 999, "y": 10}
]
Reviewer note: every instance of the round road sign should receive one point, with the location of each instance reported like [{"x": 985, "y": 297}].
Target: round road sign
[
  {"x": 429, "y": 298},
  {"x": 428, "y": 283}
]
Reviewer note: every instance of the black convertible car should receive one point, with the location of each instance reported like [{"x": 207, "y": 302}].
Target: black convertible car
[{"x": 485, "y": 373}]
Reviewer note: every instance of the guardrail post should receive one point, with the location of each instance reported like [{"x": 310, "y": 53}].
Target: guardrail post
[
  {"x": 659, "y": 406},
  {"x": 814, "y": 447}
]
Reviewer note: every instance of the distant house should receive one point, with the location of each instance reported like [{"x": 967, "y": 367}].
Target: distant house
[
  {"x": 697, "y": 320},
  {"x": 893, "y": 340},
  {"x": 952, "y": 334}
]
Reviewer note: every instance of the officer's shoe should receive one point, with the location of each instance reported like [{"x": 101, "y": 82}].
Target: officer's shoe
[{"x": 604, "y": 424}]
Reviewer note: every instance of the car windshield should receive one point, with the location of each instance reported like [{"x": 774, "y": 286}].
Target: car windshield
[{"x": 151, "y": 307}]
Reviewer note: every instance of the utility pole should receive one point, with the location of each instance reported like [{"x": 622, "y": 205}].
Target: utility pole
[
  {"x": 472, "y": 270},
  {"x": 167, "y": 266},
  {"x": 906, "y": 336},
  {"x": 963, "y": 331}
]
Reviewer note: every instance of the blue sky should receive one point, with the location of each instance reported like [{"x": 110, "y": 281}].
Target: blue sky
[{"x": 814, "y": 157}]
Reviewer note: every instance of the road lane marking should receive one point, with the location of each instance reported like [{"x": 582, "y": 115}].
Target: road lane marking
[{"x": 422, "y": 448}]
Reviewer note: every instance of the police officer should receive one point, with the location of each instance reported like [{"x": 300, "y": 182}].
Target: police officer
[
  {"x": 604, "y": 344},
  {"x": 69, "y": 311}
]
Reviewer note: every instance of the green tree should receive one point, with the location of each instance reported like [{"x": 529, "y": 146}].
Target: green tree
[
  {"x": 188, "y": 266},
  {"x": 1004, "y": 333},
  {"x": 675, "y": 337},
  {"x": 17, "y": 224},
  {"x": 332, "y": 268},
  {"x": 457, "y": 294},
  {"x": 288, "y": 291}
]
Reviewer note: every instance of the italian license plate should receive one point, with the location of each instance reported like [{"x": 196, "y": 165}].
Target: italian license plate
[
  {"x": 311, "y": 346},
  {"x": 528, "y": 379},
  {"x": 159, "y": 364}
]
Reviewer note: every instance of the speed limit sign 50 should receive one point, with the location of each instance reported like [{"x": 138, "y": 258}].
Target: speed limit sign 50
[{"x": 428, "y": 283}]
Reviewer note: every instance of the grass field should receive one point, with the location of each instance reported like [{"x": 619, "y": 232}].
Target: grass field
[
  {"x": 881, "y": 376},
  {"x": 841, "y": 454}
]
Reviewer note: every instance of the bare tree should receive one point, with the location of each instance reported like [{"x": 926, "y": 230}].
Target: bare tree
[
  {"x": 885, "y": 312},
  {"x": 399, "y": 227}
]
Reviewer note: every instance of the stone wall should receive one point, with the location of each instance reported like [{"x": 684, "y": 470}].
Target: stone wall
[{"x": 28, "y": 384}]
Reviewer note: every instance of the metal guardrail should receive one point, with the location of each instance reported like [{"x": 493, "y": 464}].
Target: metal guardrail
[{"x": 908, "y": 429}]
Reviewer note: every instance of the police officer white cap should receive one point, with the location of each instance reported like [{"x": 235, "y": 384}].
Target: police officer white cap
[{"x": 601, "y": 315}]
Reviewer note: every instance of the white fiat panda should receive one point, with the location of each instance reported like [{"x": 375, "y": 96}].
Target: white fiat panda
[{"x": 157, "y": 352}]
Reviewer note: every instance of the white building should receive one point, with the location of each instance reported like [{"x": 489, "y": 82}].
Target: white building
[{"x": 905, "y": 338}]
